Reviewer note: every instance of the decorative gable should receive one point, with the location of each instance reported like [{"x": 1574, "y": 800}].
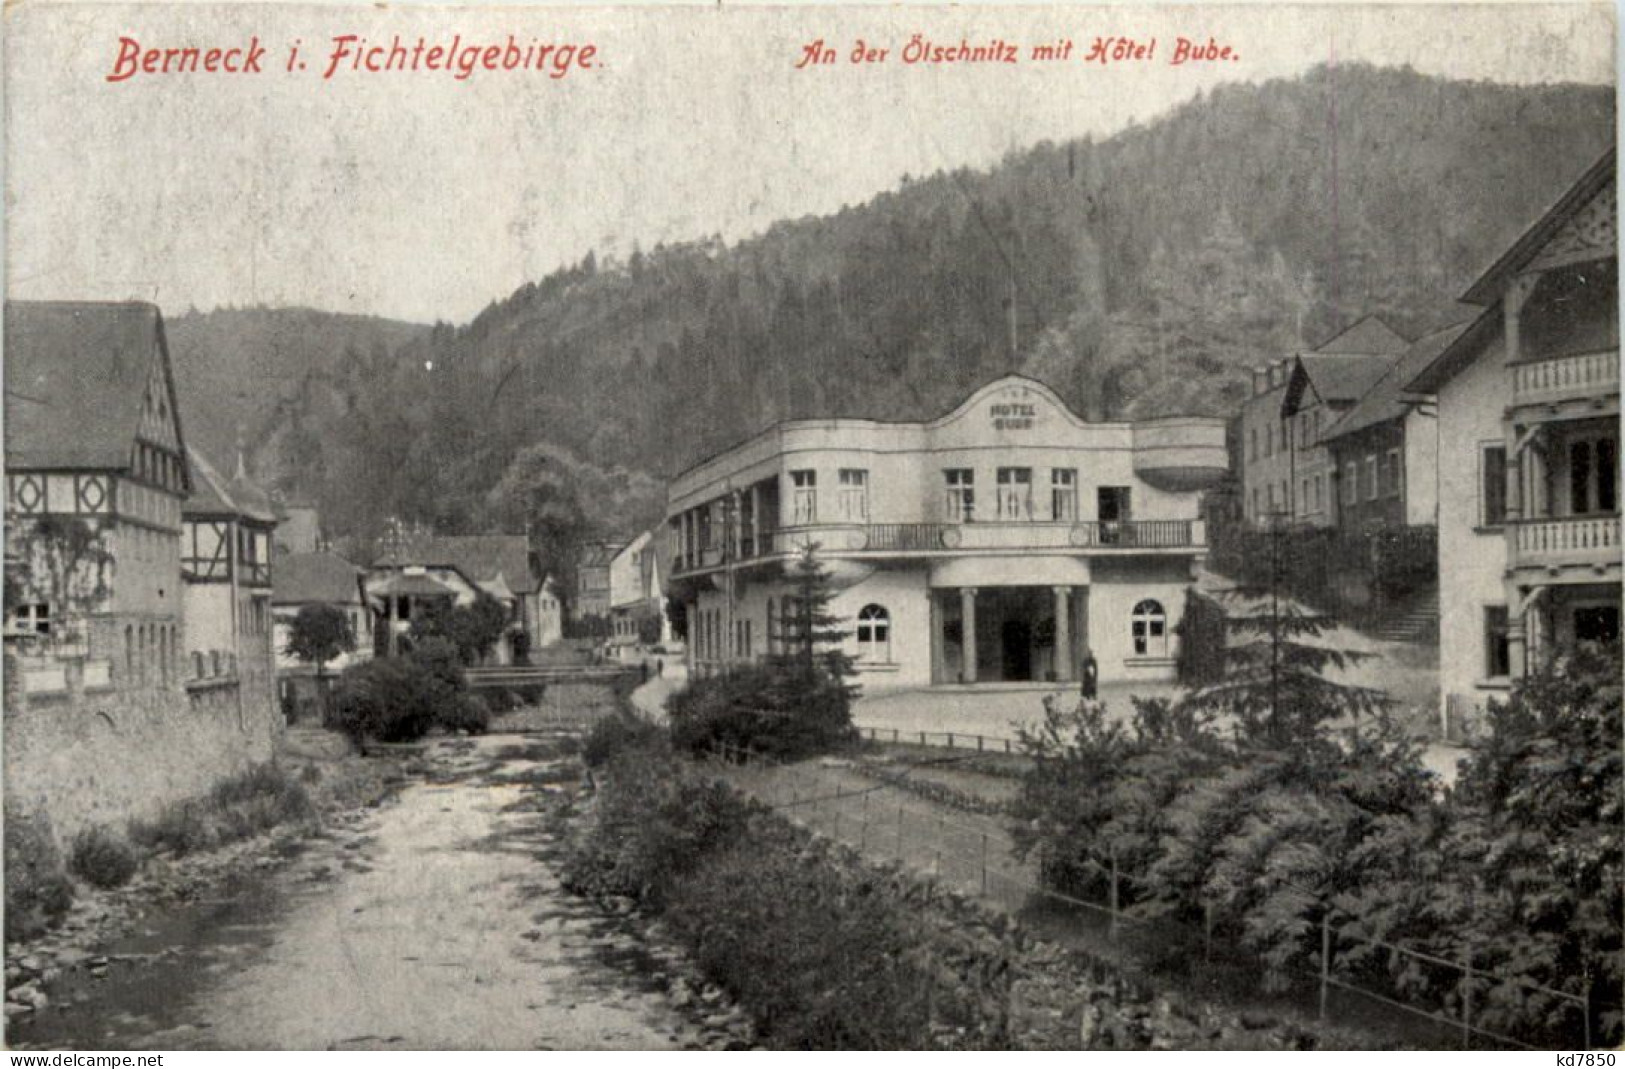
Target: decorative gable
[
  {"x": 1592, "y": 233},
  {"x": 158, "y": 424}
]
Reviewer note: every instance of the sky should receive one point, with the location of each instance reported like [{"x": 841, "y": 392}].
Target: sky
[{"x": 419, "y": 196}]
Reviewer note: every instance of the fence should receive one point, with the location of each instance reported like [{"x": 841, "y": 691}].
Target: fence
[
  {"x": 953, "y": 740},
  {"x": 974, "y": 853}
]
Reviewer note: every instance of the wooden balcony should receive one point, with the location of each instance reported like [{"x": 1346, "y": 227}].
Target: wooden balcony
[
  {"x": 1571, "y": 542},
  {"x": 1585, "y": 377}
]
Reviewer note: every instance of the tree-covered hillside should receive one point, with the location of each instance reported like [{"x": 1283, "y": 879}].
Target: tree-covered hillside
[{"x": 1147, "y": 272}]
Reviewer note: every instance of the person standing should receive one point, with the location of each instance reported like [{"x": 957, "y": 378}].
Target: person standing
[{"x": 1091, "y": 675}]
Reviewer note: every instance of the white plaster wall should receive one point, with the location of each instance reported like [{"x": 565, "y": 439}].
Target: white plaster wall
[
  {"x": 1471, "y": 560},
  {"x": 1111, "y": 605},
  {"x": 1421, "y": 467},
  {"x": 209, "y": 617}
]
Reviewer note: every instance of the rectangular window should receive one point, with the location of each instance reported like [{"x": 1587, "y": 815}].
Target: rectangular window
[
  {"x": 854, "y": 494},
  {"x": 1492, "y": 479},
  {"x": 1593, "y": 475},
  {"x": 34, "y": 618},
  {"x": 1316, "y": 486},
  {"x": 1015, "y": 493},
  {"x": 1371, "y": 478},
  {"x": 1269, "y": 439},
  {"x": 804, "y": 500},
  {"x": 1252, "y": 444},
  {"x": 1303, "y": 501},
  {"x": 1063, "y": 494},
  {"x": 1497, "y": 659},
  {"x": 959, "y": 488},
  {"x": 1396, "y": 474},
  {"x": 1351, "y": 483},
  {"x": 1255, "y": 503}
]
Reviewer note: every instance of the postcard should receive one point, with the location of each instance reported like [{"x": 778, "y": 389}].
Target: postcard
[{"x": 713, "y": 527}]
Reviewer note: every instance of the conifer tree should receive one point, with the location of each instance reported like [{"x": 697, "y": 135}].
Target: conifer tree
[{"x": 810, "y": 635}]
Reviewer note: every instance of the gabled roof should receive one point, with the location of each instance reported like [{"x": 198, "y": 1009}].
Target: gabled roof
[
  {"x": 1336, "y": 379},
  {"x": 1598, "y": 177},
  {"x": 75, "y": 378},
  {"x": 599, "y": 554},
  {"x": 305, "y": 578},
  {"x": 1387, "y": 400},
  {"x": 1367, "y": 336},
  {"x": 213, "y": 495},
  {"x": 1462, "y": 350},
  {"x": 482, "y": 558},
  {"x": 413, "y": 586},
  {"x": 1488, "y": 289}
]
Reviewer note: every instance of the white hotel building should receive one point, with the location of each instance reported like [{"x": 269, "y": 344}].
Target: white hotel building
[{"x": 997, "y": 544}]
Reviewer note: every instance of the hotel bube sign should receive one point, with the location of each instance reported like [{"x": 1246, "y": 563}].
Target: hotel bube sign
[{"x": 1000, "y": 543}]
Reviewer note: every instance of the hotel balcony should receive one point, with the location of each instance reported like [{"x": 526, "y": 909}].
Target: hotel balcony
[
  {"x": 1561, "y": 381},
  {"x": 1576, "y": 547},
  {"x": 904, "y": 540}
]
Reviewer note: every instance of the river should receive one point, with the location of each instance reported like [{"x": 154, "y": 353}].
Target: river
[{"x": 436, "y": 921}]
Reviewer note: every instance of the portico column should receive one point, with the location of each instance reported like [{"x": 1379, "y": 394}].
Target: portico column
[
  {"x": 938, "y": 653},
  {"x": 1517, "y": 647},
  {"x": 967, "y": 633},
  {"x": 1063, "y": 634}
]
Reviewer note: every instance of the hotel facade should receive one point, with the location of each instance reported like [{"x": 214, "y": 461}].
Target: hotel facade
[{"x": 1001, "y": 543}]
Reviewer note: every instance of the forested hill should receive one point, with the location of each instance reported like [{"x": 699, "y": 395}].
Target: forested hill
[
  {"x": 242, "y": 371},
  {"x": 1148, "y": 271}
]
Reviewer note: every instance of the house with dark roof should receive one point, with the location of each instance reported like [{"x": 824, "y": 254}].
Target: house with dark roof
[
  {"x": 227, "y": 527},
  {"x": 593, "y": 595},
  {"x": 1384, "y": 449},
  {"x": 1286, "y": 469},
  {"x": 637, "y": 595},
  {"x": 1529, "y": 463},
  {"x": 106, "y": 718},
  {"x": 502, "y": 566},
  {"x": 302, "y": 579},
  {"x": 96, "y": 473}
]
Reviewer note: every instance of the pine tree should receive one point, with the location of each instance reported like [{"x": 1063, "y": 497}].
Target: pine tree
[
  {"x": 1276, "y": 686},
  {"x": 810, "y": 635}
]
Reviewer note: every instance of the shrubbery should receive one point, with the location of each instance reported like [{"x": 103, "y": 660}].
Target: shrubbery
[
  {"x": 614, "y": 735},
  {"x": 102, "y": 859},
  {"x": 37, "y": 889},
  {"x": 762, "y": 708},
  {"x": 826, "y": 962},
  {"x": 1281, "y": 821},
  {"x": 240, "y": 807},
  {"x": 796, "y": 702},
  {"x": 465, "y": 712}
]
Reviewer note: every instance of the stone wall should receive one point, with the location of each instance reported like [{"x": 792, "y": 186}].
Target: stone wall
[{"x": 86, "y": 756}]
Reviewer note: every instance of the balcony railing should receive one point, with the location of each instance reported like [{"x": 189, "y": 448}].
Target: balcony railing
[
  {"x": 952, "y": 537},
  {"x": 1566, "y": 378},
  {"x": 1575, "y": 540}
]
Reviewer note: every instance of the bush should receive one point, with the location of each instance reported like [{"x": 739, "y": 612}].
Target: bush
[
  {"x": 242, "y": 806},
  {"x": 823, "y": 958},
  {"x": 614, "y": 735},
  {"x": 761, "y": 708},
  {"x": 393, "y": 699},
  {"x": 101, "y": 858},
  {"x": 38, "y": 891},
  {"x": 464, "y": 712}
]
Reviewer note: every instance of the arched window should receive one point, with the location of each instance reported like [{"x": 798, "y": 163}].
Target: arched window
[
  {"x": 1149, "y": 627},
  {"x": 874, "y": 634}
]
